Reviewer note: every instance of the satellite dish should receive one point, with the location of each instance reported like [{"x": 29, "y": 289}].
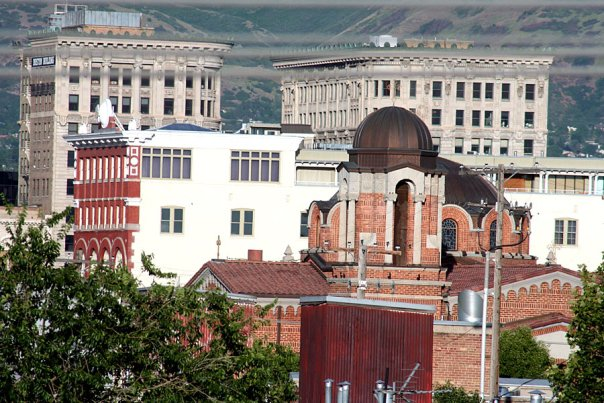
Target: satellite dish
[{"x": 105, "y": 111}]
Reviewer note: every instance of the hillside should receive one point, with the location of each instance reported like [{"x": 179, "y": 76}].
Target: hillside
[{"x": 570, "y": 34}]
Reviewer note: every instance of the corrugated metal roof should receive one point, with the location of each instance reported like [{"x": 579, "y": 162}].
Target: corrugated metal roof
[{"x": 187, "y": 127}]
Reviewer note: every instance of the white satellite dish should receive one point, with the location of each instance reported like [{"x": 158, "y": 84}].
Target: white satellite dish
[{"x": 105, "y": 111}]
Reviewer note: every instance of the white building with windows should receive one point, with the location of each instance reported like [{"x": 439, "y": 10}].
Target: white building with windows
[{"x": 188, "y": 195}]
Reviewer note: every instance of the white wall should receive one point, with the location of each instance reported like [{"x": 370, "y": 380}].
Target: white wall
[
  {"x": 588, "y": 210},
  {"x": 210, "y": 195}
]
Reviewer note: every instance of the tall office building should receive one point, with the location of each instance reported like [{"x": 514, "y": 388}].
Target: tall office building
[
  {"x": 85, "y": 57},
  {"x": 473, "y": 101}
]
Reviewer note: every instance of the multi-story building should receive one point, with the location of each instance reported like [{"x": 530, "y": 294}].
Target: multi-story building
[
  {"x": 473, "y": 101},
  {"x": 86, "y": 57}
]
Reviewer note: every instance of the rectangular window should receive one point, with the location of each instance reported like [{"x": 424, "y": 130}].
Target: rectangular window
[
  {"x": 188, "y": 107},
  {"x": 74, "y": 75},
  {"x": 169, "y": 79},
  {"x": 529, "y": 120},
  {"x": 189, "y": 80},
  {"x": 145, "y": 78},
  {"x": 95, "y": 100},
  {"x": 376, "y": 88},
  {"x": 69, "y": 243},
  {"x": 172, "y": 220},
  {"x": 505, "y": 119},
  {"x": 436, "y": 144},
  {"x": 475, "y": 146},
  {"x": 242, "y": 222},
  {"x": 565, "y": 232},
  {"x": 166, "y": 163},
  {"x": 476, "y": 118},
  {"x": 461, "y": 90},
  {"x": 126, "y": 104},
  {"x": 528, "y": 147},
  {"x": 145, "y": 106},
  {"x": 304, "y": 224},
  {"x": 437, "y": 89},
  {"x": 168, "y": 106},
  {"x": 95, "y": 75},
  {"x": 436, "y": 115},
  {"x": 74, "y": 102},
  {"x": 458, "y": 145},
  {"x": 70, "y": 187},
  {"x": 397, "y": 88},
  {"x": 72, "y": 128},
  {"x": 505, "y": 92},
  {"x": 126, "y": 77},
  {"x": 459, "y": 117},
  {"x": 412, "y": 89},
  {"x": 114, "y": 76},
  {"x": 488, "y": 90},
  {"x": 70, "y": 158},
  {"x": 488, "y": 118},
  {"x": 255, "y": 166},
  {"x": 476, "y": 90},
  {"x": 487, "y": 146},
  {"x": 504, "y": 146},
  {"x": 385, "y": 88},
  {"x": 114, "y": 102},
  {"x": 530, "y": 92}
]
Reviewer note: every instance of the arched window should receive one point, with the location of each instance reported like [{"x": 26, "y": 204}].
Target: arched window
[
  {"x": 492, "y": 235},
  {"x": 449, "y": 234}
]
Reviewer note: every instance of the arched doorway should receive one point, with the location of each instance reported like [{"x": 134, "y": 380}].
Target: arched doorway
[{"x": 401, "y": 223}]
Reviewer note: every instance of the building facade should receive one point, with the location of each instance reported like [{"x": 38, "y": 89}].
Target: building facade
[
  {"x": 86, "y": 57},
  {"x": 472, "y": 101}
]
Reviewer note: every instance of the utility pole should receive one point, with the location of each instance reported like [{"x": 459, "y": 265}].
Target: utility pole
[
  {"x": 494, "y": 379},
  {"x": 362, "y": 275}
]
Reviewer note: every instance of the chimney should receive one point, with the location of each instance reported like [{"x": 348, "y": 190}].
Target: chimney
[{"x": 254, "y": 255}]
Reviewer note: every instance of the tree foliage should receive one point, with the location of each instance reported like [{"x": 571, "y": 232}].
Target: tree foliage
[
  {"x": 583, "y": 378},
  {"x": 447, "y": 393},
  {"x": 65, "y": 336},
  {"x": 522, "y": 356}
]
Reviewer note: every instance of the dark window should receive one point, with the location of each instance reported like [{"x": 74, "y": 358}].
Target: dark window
[
  {"x": 461, "y": 90},
  {"x": 488, "y": 146},
  {"x": 169, "y": 79},
  {"x": 114, "y": 76},
  {"x": 437, "y": 89},
  {"x": 95, "y": 75},
  {"x": 565, "y": 232},
  {"x": 529, "y": 119},
  {"x": 449, "y": 233},
  {"x": 459, "y": 117},
  {"x": 95, "y": 100},
  {"x": 167, "y": 163},
  {"x": 145, "y": 105},
  {"x": 376, "y": 88},
  {"x": 436, "y": 144},
  {"x": 528, "y": 147},
  {"x": 74, "y": 102},
  {"x": 145, "y": 78},
  {"x": 171, "y": 220},
  {"x": 188, "y": 107},
  {"x": 125, "y": 104},
  {"x": 436, "y": 114},
  {"x": 242, "y": 222},
  {"x": 304, "y": 224},
  {"x": 72, "y": 128},
  {"x": 475, "y": 146},
  {"x": 74, "y": 75},
  {"x": 505, "y": 91},
  {"x": 505, "y": 119},
  {"x": 69, "y": 243},
  {"x": 493, "y": 235},
  {"x": 397, "y": 86},
  {"x": 476, "y": 118},
  {"x": 114, "y": 102},
  {"x": 412, "y": 88},
  {"x": 530, "y": 92},
  {"x": 385, "y": 88},
  {"x": 504, "y": 147},
  {"x": 189, "y": 82},
  {"x": 70, "y": 158},
  {"x": 168, "y": 106},
  {"x": 458, "y": 145},
  {"x": 255, "y": 166},
  {"x": 126, "y": 77},
  {"x": 70, "y": 187},
  {"x": 488, "y": 118},
  {"x": 476, "y": 90},
  {"x": 488, "y": 91}
]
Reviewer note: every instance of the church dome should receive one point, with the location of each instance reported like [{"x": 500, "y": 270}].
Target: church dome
[{"x": 391, "y": 137}]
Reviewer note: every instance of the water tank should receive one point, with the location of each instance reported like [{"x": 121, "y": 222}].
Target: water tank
[{"x": 469, "y": 307}]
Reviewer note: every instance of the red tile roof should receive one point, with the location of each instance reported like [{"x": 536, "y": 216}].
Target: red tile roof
[
  {"x": 536, "y": 322},
  {"x": 471, "y": 276},
  {"x": 272, "y": 279}
]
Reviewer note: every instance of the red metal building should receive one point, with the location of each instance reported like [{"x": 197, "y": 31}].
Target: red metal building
[{"x": 363, "y": 341}]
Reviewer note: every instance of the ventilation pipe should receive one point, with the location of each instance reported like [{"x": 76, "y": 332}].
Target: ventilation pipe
[{"x": 328, "y": 387}]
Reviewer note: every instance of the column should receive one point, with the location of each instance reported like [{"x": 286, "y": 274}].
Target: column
[
  {"x": 350, "y": 234},
  {"x": 389, "y": 231},
  {"x": 418, "y": 200},
  {"x": 547, "y": 182},
  {"x": 136, "y": 91},
  {"x": 541, "y": 182}
]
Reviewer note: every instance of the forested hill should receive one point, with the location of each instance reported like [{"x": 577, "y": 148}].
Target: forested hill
[{"x": 250, "y": 88}]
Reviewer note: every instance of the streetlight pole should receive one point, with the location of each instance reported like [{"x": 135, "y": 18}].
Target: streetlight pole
[{"x": 494, "y": 378}]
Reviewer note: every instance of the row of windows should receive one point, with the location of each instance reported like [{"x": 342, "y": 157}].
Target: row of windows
[
  {"x": 101, "y": 168},
  {"x": 487, "y": 146},
  {"x": 124, "y": 105},
  {"x": 482, "y": 118},
  {"x": 565, "y": 233},
  {"x": 166, "y": 163},
  {"x": 107, "y": 216},
  {"x": 123, "y": 77},
  {"x": 255, "y": 166}
]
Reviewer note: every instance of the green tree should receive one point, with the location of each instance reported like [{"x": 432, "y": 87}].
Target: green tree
[
  {"x": 522, "y": 356},
  {"x": 98, "y": 337},
  {"x": 447, "y": 393},
  {"x": 583, "y": 378}
]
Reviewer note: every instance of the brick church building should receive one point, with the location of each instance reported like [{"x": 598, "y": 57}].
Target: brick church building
[{"x": 426, "y": 222}]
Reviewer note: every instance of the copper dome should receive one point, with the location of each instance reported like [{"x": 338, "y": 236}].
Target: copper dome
[{"x": 392, "y": 136}]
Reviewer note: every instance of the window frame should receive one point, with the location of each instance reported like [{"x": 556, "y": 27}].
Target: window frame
[
  {"x": 563, "y": 234},
  {"x": 260, "y": 164},
  {"x": 459, "y": 117},
  {"x": 436, "y": 117},
  {"x": 74, "y": 105},
  {"x": 242, "y": 222},
  {"x": 304, "y": 224},
  {"x": 460, "y": 90},
  {"x": 445, "y": 228},
  {"x": 437, "y": 89},
  {"x": 171, "y": 220},
  {"x": 162, "y": 163}
]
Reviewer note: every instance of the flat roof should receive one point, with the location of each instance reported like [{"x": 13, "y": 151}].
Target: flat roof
[{"x": 367, "y": 303}]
